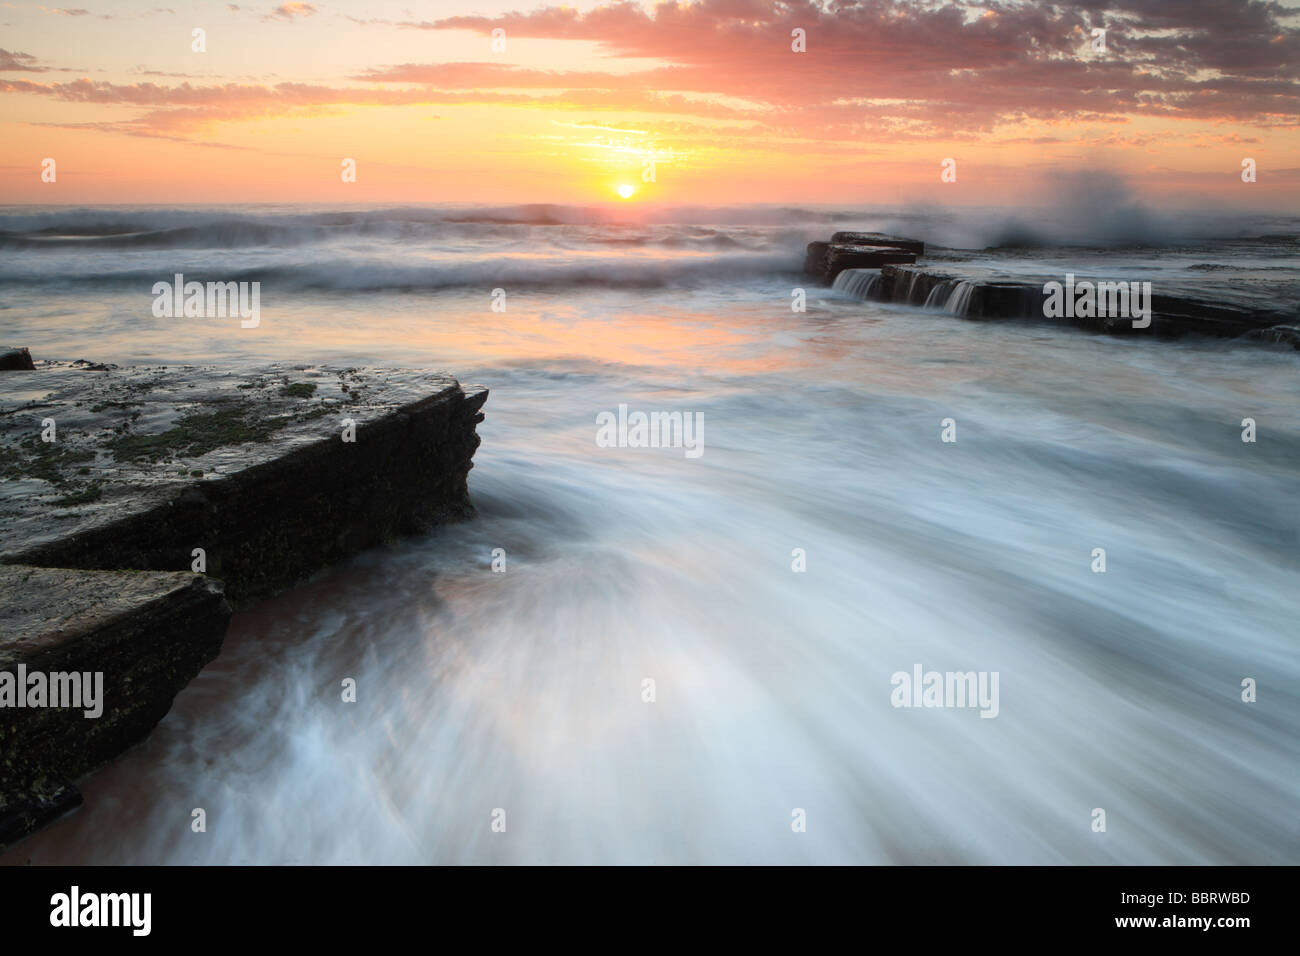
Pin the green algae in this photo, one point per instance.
(197, 434)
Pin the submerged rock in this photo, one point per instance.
(1281, 334)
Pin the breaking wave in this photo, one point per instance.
(377, 274)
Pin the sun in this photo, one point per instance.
(626, 190)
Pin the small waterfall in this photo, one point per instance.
(938, 297)
(958, 301)
(950, 296)
(906, 288)
(858, 283)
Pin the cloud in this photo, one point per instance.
(964, 68)
(189, 105)
(131, 129)
(287, 11)
(883, 70)
(21, 62)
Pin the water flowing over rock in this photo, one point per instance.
(857, 283)
(1281, 334)
(974, 298)
(1171, 315)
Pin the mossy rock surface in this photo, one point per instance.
(148, 463)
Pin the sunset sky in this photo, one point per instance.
(584, 94)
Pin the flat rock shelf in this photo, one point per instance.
(117, 484)
(858, 250)
(880, 268)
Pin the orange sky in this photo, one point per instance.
(582, 97)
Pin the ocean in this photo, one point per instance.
(770, 589)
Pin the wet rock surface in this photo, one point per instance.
(117, 483)
(826, 260)
(879, 239)
(996, 298)
(148, 464)
(883, 268)
(15, 359)
(148, 634)
(969, 294)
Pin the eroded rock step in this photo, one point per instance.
(145, 634)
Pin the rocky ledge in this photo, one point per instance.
(858, 250)
(113, 647)
(1172, 315)
(271, 475)
(881, 268)
(118, 484)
